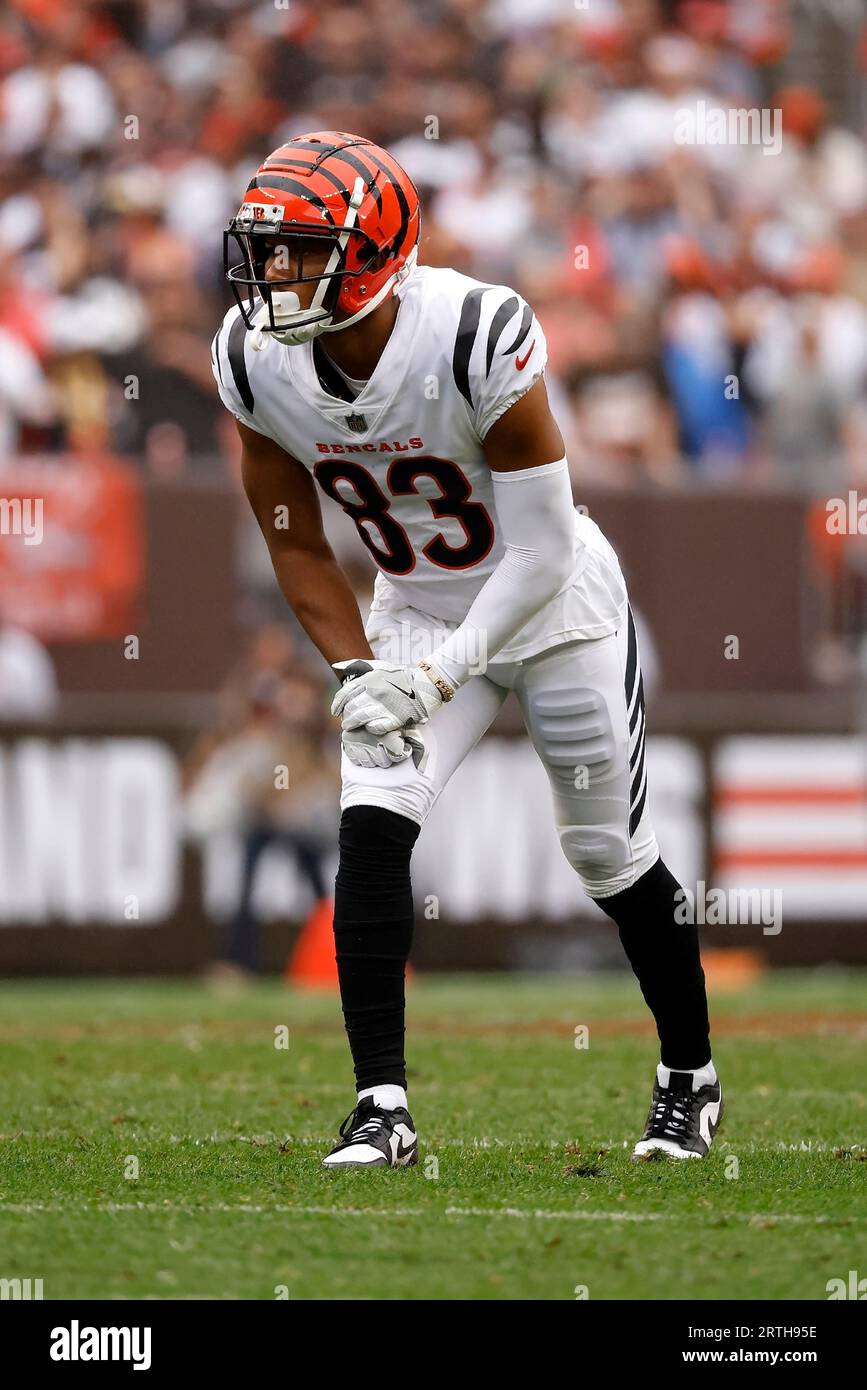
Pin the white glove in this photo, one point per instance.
(375, 750)
(382, 698)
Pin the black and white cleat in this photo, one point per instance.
(371, 1137)
(682, 1121)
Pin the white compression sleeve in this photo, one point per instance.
(536, 520)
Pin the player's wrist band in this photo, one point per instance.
(446, 691)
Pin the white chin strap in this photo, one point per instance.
(294, 325)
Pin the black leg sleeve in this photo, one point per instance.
(665, 957)
(373, 925)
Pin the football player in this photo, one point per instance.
(415, 398)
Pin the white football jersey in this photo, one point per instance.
(404, 457)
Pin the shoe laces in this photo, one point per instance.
(669, 1116)
(365, 1128)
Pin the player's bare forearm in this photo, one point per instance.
(283, 497)
(322, 600)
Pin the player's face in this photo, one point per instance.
(299, 260)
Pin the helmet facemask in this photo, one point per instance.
(272, 305)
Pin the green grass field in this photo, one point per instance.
(524, 1188)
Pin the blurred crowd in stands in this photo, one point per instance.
(705, 304)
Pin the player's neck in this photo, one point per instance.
(357, 349)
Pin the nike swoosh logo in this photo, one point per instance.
(400, 1150)
(521, 362)
(709, 1117)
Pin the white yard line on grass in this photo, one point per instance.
(513, 1213)
(570, 1148)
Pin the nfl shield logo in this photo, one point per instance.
(356, 423)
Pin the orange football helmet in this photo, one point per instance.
(337, 187)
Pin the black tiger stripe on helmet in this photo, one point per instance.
(335, 182)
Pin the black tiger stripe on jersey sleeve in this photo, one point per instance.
(468, 327)
(235, 352)
(524, 329)
(498, 323)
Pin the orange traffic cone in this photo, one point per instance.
(311, 963)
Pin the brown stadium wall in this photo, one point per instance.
(97, 872)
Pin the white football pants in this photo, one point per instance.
(583, 705)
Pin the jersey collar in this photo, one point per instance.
(387, 378)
